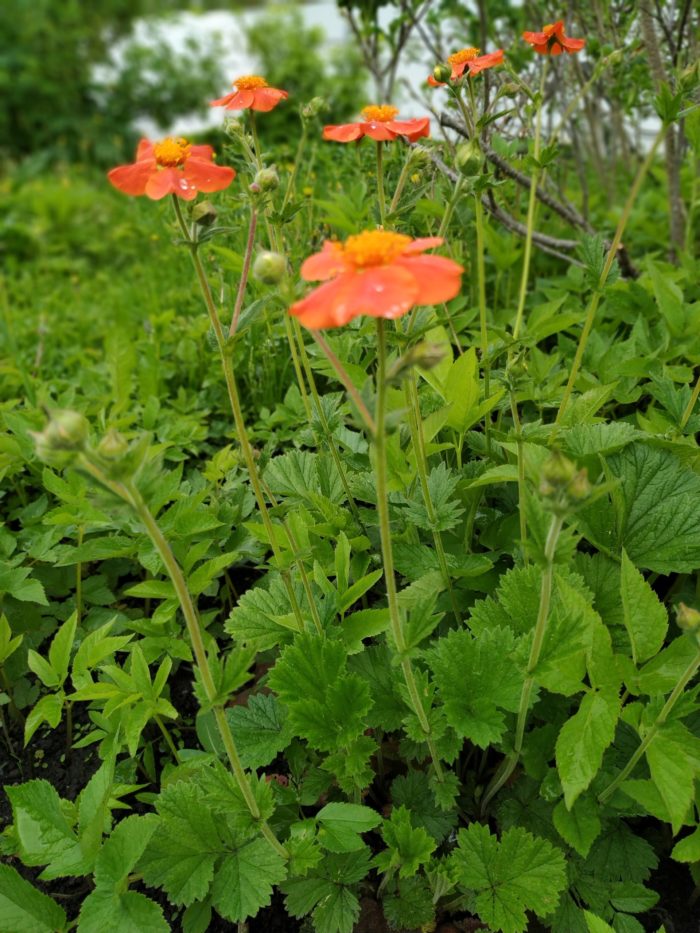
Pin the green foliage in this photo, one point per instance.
(508, 877)
(517, 734)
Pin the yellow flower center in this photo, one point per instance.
(172, 152)
(379, 113)
(249, 83)
(464, 55)
(374, 248)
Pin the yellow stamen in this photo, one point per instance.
(249, 83)
(464, 55)
(379, 113)
(374, 248)
(172, 152)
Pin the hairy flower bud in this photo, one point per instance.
(563, 483)
(469, 158)
(442, 72)
(266, 179)
(269, 268)
(234, 129)
(62, 438)
(313, 108)
(113, 445)
(688, 619)
(204, 214)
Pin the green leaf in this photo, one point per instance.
(130, 912)
(412, 906)
(365, 623)
(462, 389)
(477, 678)
(262, 730)
(48, 709)
(674, 762)
(8, 644)
(688, 849)
(662, 673)
(653, 513)
(181, 854)
(24, 909)
(579, 826)
(595, 924)
(260, 618)
(61, 647)
(342, 823)
(408, 847)
(327, 893)
(44, 834)
(520, 873)
(122, 850)
(245, 879)
(583, 740)
(413, 791)
(645, 617)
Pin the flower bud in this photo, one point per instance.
(426, 355)
(204, 214)
(113, 445)
(48, 454)
(509, 89)
(562, 483)
(688, 619)
(266, 179)
(420, 155)
(313, 108)
(269, 268)
(469, 158)
(66, 430)
(234, 129)
(442, 72)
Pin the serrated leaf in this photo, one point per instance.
(343, 823)
(673, 763)
(645, 617)
(580, 826)
(688, 849)
(61, 647)
(408, 847)
(652, 513)
(130, 912)
(262, 730)
(24, 909)
(48, 710)
(245, 879)
(413, 791)
(44, 834)
(583, 740)
(520, 873)
(476, 679)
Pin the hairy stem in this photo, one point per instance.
(388, 554)
(237, 411)
(129, 493)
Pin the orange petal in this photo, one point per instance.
(344, 133)
(421, 243)
(239, 100)
(267, 98)
(433, 83)
(325, 306)
(144, 150)
(380, 291)
(206, 176)
(132, 179)
(483, 62)
(380, 132)
(324, 265)
(205, 153)
(535, 38)
(437, 279)
(573, 45)
(412, 129)
(165, 181)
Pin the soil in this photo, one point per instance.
(46, 758)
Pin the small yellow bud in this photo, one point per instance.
(442, 72)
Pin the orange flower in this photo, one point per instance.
(379, 124)
(251, 93)
(375, 272)
(552, 41)
(469, 60)
(172, 166)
